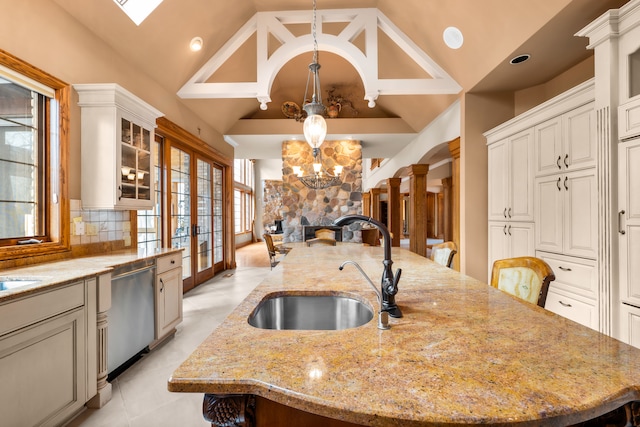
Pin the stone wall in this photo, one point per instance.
(306, 206)
(272, 204)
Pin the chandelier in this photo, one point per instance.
(315, 126)
(320, 178)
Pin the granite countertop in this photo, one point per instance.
(58, 273)
(464, 352)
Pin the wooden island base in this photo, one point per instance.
(255, 411)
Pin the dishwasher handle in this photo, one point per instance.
(132, 272)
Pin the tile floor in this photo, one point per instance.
(140, 396)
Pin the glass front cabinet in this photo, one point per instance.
(117, 151)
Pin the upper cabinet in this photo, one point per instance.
(117, 151)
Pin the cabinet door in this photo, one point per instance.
(43, 371)
(168, 301)
(498, 248)
(548, 147)
(580, 214)
(498, 163)
(520, 179)
(520, 239)
(629, 220)
(549, 213)
(579, 138)
(630, 325)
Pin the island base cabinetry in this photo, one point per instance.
(43, 358)
(253, 411)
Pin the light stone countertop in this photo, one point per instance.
(58, 273)
(464, 352)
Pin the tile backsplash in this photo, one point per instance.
(99, 226)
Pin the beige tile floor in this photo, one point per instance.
(140, 396)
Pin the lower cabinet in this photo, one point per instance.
(43, 362)
(630, 324)
(168, 295)
(574, 292)
(510, 239)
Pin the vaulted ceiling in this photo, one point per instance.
(494, 32)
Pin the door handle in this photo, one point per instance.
(195, 230)
(620, 218)
(564, 268)
(565, 183)
(566, 164)
(504, 229)
(558, 162)
(509, 230)
(558, 184)
(505, 213)
(161, 286)
(565, 304)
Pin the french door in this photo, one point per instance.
(196, 214)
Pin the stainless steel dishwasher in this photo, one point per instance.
(131, 317)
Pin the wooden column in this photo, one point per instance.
(447, 185)
(394, 217)
(366, 204)
(375, 203)
(454, 149)
(418, 215)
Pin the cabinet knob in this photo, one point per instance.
(173, 261)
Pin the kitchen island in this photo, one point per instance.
(463, 353)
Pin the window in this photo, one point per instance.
(33, 134)
(243, 195)
(150, 221)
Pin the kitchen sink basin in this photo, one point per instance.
(310, 312)
(7, 283)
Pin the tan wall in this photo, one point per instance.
(480, 113)
(41, 33)
(528, 98)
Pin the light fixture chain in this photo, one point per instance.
(313, 32)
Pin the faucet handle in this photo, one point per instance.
(391, 287)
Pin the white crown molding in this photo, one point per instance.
(360, 21)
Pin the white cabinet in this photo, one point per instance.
(168, 294)
(574, 292)
(510, 163)
(43, 357)
(510, 239)
(566, 143)
(567, 213)
(629, 220)
(117, 148)
(630, 325)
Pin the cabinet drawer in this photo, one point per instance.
(574, 274)
(26, 311)
(168, 262)
(571, 308)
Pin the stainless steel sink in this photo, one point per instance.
(7, 283)
(310, 312)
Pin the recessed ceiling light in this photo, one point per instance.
(196, 44)
(519, 59)
(453, 37)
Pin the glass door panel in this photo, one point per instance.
(205, 214)
(181, 207)
(218, 242)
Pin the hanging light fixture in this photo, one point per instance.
(315, 126)
(320, 178)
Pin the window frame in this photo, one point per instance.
(57, 228)
(243, 168)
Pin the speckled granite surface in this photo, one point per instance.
(62, 272)
(464, 352)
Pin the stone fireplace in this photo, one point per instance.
(302, 206)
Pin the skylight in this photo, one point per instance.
(138, 10)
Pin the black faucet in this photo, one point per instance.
(389, 282)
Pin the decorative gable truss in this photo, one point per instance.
(359, 22)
